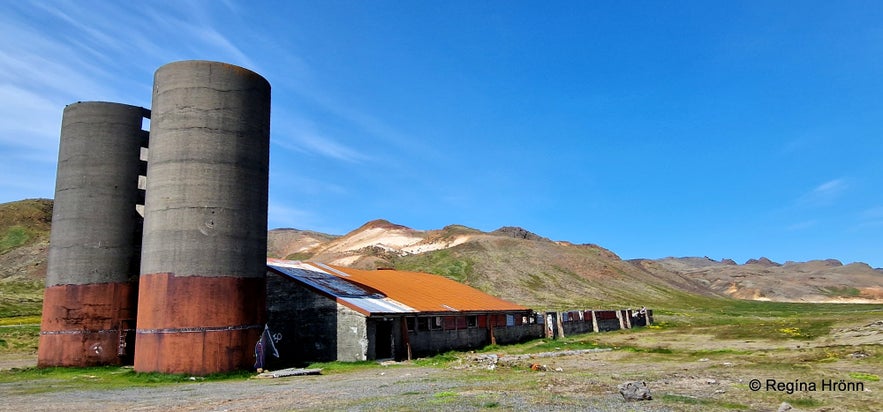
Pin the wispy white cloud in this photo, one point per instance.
(282, 216)
(300, 134)
(56, 53)
(870, 218)
(825, 193)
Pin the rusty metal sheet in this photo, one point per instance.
(82, 325)
(198, 325)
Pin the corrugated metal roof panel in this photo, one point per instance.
(425, 292)
(351, 294)
(320, 279)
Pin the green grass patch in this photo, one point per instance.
(299, 256)
(690, 400)
(445, 397)
(870, 377)
(20, 321)
(805, 402)
(575, 342)
(440, 360)
(665, 351)
(14, 237)
(775, 329)
(343, 367)
(43, 380)
(845, 292)
(19, 339)
(441, 262)
(706, 353)
(21, 298)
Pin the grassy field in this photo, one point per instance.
(692, 359)
(701, 354)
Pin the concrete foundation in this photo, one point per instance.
(205, 222)
(89, 303)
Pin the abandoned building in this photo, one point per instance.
(320, 312)
(157, 254)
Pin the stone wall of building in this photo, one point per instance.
(304, 322)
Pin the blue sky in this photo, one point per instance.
(708, 128)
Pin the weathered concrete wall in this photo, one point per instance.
(520, 333)
(205, 218)
(352, 335)
(578, 327)
(428, 343)
(94, 222)
(91, 281)
(608, 320)
(208, 172)
(305, 321)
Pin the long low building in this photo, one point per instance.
(319, 312)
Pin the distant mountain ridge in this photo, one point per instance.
(531, 262)
(510, 262)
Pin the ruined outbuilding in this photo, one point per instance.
(319, 312)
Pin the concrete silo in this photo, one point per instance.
(202, 286)
(91, 281)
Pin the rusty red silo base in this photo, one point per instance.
(87, 325)
(198, 325)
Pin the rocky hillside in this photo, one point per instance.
(762, 279)
(510, 262)
(518, 265)
(24, 239)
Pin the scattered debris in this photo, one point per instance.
(784, 407)
(635, 391)
(288, 372)
(491, 361)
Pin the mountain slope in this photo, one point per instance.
(521, 266)
(510, 262)
(762, 279)
(24, 239)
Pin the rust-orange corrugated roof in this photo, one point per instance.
(424, 292)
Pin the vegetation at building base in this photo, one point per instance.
(58, 379)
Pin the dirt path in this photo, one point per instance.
(684, 373)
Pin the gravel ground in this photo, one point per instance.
(562, 381)
(400, 387)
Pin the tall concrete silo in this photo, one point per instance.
(202, 287)
(92, 276)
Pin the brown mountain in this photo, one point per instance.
(24, 239)
(516, 264)
(510, 262)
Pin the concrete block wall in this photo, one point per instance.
(352, 335)
(427, 343)
(516, 334)
(305, 322)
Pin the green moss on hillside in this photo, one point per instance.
(441, 262)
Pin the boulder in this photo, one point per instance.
(635, 391)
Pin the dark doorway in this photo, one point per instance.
(383, 340)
